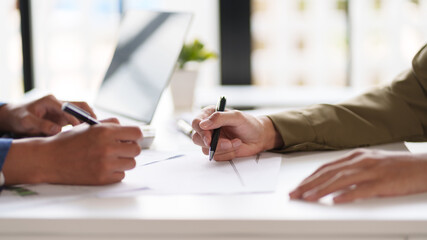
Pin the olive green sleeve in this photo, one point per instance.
(397, 112)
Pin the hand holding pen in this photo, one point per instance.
(241, 134)
(83, 155)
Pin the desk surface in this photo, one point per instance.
(266, 215)
(254, 216)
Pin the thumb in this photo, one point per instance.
(220, 119)
(44, 126)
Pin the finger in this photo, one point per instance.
(60, 117)
(127, 133)
(126, 149)
(49, 100)
(117, 132)
(220, 119)
(325, 175)
(362, 191)
(85, 107)
(340, 182)
(111, 120)
(225, 156)
(345, 158)
(198, 140)
(227, 150)
(39, 125)
(205, 136)
(54, 113)
(123, 164)
(71, 120)
(226, 145)
(205, 151)
(354, 159)
(67, 118)
(115, 177)
(205, 113)
(224, 150)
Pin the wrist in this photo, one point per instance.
(24, 162)
(272, 137)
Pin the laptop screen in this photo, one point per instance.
(143, 62)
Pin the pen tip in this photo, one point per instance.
(211, 155)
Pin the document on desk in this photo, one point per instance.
(29, 195)
(193, 173)
(160, 173)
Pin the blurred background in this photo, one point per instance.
(266, 44)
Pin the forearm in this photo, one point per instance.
(23, 163)
(393, 113)
(17, 157)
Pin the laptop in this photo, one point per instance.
(145, 57)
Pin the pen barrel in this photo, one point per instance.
(215, 135)
(79, 113)
(91, 121)
(215, 138)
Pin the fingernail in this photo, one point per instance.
(205, 123)
(226, 145)
(206, 141)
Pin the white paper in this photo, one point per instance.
(52, 194)
(165, 173)
(193, 173)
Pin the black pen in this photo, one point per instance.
(79, 113)
(220, 107)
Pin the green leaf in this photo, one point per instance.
(194, 52)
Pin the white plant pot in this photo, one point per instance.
(183, 84)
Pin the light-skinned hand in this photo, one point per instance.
(241, 134)
(366, 174)
(85, 155)
(42, 117)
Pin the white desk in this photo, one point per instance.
(251, 216)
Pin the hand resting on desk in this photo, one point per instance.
(366, 174)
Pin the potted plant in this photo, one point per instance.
(183, 81)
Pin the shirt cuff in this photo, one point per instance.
(297, 132)
(4, 149)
